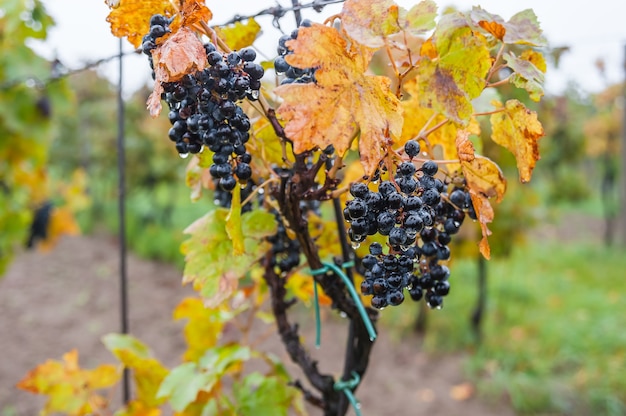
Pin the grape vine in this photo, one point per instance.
(326, 132)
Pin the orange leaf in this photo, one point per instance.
(370, 21)
(62, 222)
(131, 18)
(496, 29)
(194, 11)
(518, 130)
(344, 101)
(481, 173)
(484, 213)
(72, 390)
(180, 54)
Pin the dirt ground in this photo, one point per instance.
(69, 298)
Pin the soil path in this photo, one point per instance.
(68, 298)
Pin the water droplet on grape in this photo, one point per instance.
(343, 314)
(356, 245)
(261, 191)
(457, 224)
(255, 94)
(183, 155)
(217, 202)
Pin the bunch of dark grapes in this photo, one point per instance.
(292, 74)
(204, 110)
(159, 26)
(418, 217)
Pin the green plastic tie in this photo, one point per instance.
(355, 297)
(347, 386)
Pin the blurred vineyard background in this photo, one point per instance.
(552, 339)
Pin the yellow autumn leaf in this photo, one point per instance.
(203, 327)
(239, 35)
(344, 101)
(62, 222)
(517, 129)
(71, 390)
(131, 18)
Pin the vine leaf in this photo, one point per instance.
(239, 35)
(192, 12)
(453, 72)
(131, 18)
(523, 29)
(203, 327)
(369, 22)
(517, 129)
(209, 245)
(528, 70)
(262, 394)
(490, 23)
(184, 383)
(148, 372)
(180, 54)
(344, 100)
(484, 180)
(71, 390)
(233, 223)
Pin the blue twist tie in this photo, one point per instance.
(347, 387)
(355, 296)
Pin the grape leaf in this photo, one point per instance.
(233, 223)
(194, 11)
(490, 23)
(523, 29)
(369, 22)
(239, 35)
(148, 372)
(518, 130)
(262, 395)
(525, 74)
(481, 173)
(484, 180)
(131, 18)
(359, 102)
(180, 54)
(447, 82)
(72, 390)
(209, 245)
(185, 382)
(203, 327)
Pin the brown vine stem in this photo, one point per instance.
(257, 190)
(495, 67)
(498, 83)
(488, 113)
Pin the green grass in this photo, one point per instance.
(554, 338)
(155, 219)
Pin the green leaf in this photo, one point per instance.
(523, 29)
(526, 75)
(240, 35)
(183, 383)
(421, 17)
(260, 395)
(209, 245)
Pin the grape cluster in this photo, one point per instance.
(285, 251)
(418, 217)
(292, 74)
(204, 110)
(159, 26)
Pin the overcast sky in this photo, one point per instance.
(592, 29)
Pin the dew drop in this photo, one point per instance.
(183, 155)
(255, 94)
(457, 224)
(343, 314)
(261, 191)
(358, 405)
(217, 202)
(356, 245)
